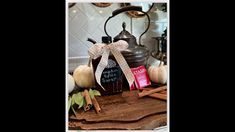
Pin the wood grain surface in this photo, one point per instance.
(122, 111)
(147, 123)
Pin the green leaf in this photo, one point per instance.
(73, 111)
(82, 103)
(96, 93)
(78, 99)
(69, 103)
(72, 100)
(91, 93)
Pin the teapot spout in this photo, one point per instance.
(91, 40)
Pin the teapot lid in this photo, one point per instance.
(134, 49)
(124, 34)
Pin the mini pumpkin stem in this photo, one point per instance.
(161, 61)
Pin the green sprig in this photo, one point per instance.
(78, 99)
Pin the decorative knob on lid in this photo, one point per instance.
(124, 34)
(124, 26)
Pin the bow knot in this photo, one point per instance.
(103, 50)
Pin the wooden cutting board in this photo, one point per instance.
(120, 111)
(147, 123)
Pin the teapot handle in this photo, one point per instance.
(128, 8)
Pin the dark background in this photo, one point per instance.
(200, 62)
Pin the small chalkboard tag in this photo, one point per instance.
(111, 73)
(141, 78)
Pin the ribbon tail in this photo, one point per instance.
(124, 66)
(101, 66)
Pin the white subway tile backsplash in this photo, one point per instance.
(73, 11)
(89, 10)
(92, 24)
(76, 23)
(127, 19)
(81, 34)
(112, 31)
(77, 45)
(104, 12)
(88, 44)
(97, 34)
(118, 20)
(138, 27)
(114, 25)
(115, 6)
(72, 52)
(88, 21)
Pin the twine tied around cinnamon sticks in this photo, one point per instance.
(103, 50)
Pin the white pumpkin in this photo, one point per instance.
(71, 83)
(84, 76)
(158, 74)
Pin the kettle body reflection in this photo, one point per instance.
(135, 55)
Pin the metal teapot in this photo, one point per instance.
(136, 54)
(161, 53)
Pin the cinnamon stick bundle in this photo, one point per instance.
(163, 92)
(158, 96)
(151, 88)
(145, 93)
(96, 105)
(86, 107)
(88, 103)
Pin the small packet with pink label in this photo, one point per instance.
(141, 78)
